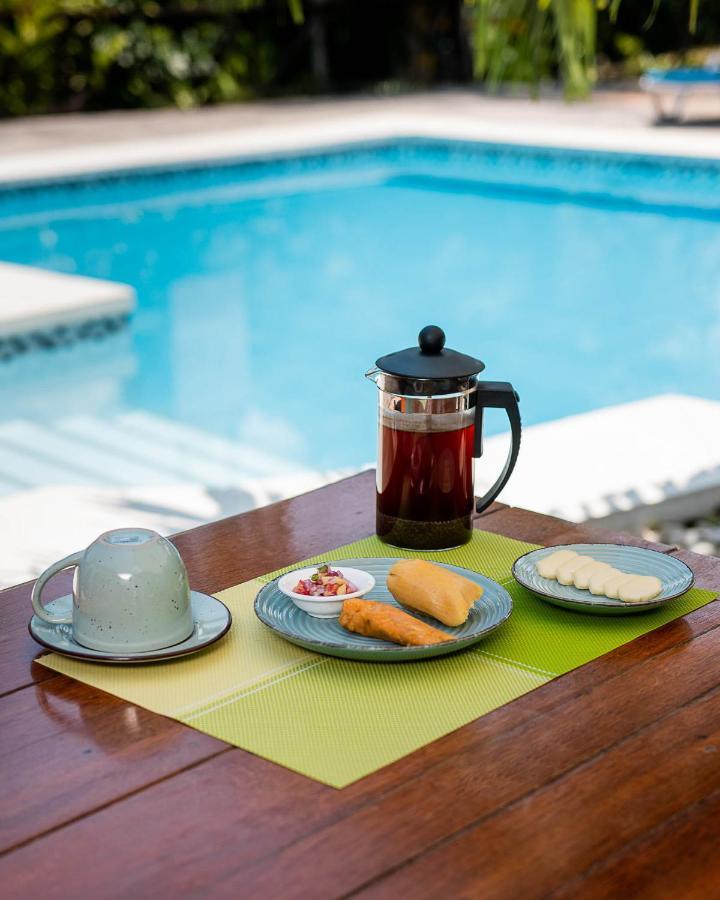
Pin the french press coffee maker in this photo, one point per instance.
(430, 421)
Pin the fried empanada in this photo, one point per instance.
(382, 620)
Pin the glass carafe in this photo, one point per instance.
(430, 405)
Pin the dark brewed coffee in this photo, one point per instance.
(425, 486)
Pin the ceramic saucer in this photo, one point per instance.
(212, 620)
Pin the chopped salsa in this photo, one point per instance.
(326, 582)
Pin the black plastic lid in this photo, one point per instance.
(430, 359)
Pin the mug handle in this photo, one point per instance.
(498, 395)
(40, 611)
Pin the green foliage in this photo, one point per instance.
(575, 24)
(513, 40)
(100, 54)
(77, 54)
(529, 41)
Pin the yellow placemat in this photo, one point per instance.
(336, 720)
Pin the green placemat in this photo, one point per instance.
(336, 720)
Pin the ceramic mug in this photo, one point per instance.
(130, 593)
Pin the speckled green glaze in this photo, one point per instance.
(130, 593)
(211, 620)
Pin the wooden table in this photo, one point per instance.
(605, 782)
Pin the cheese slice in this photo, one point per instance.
(613, 584)
(582, 576)
(567, 570)
(548, 565)
(599, 579)
(639, 589)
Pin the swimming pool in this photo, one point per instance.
(267, 288)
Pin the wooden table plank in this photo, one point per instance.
(537, 528)
(67, 749)
(17, 648)
(678, 859)
(375, 824)
(236, 821)
(532, 846)
(236, 549)
(706, 568)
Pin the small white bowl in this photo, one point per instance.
(325, 607)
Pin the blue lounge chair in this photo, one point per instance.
(678, 83)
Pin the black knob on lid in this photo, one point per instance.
(429, 367)
(431, 340)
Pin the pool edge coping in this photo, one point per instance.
(239, 145)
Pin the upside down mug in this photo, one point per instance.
(130, 593)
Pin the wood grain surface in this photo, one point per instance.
(602, 783)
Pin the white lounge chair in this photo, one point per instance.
(677, 84)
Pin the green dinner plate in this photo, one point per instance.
(327, 636)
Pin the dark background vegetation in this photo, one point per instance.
(64, 55)
(644, 30)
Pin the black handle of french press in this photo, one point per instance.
(497, 395)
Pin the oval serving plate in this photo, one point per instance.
(676, 577)
(327, 636)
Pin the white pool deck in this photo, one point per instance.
(623, 466)
(64, 482)
(61, 146)
(35, 300)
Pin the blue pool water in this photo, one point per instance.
(267, 289)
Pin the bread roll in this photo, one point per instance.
(433, 590)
